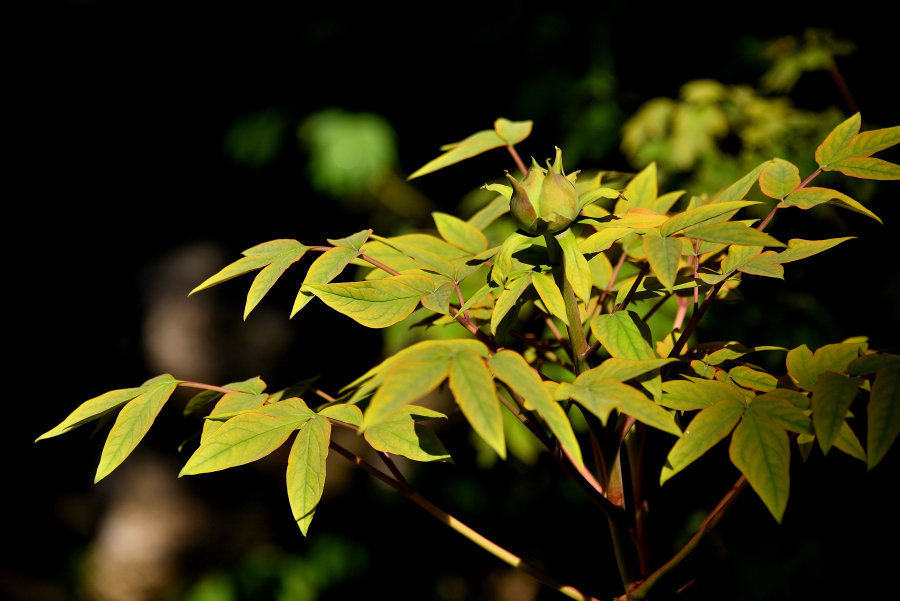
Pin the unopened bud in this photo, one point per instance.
(545, 202)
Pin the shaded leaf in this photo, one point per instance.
(752, 378)
(708, 427)
(508, 299)
(782, 411)
(831, 399)
(624, 335)
(801, 365)
(761, 450)
(883, 414)
(697, 393)
(577, 270)
(871, 363)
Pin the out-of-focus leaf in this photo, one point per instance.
(883, 414)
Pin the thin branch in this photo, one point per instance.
(378, 264)
(461, 528)
(209, 387)
(515, 155)
(637, 281)
(641, 590)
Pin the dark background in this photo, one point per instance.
(118, 118)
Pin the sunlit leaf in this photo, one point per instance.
(641, 191)
(578, 272)
(831, 399)
(867, 168)
(752, 378)
(732, 233)
(248, 394)
(623, 334)
(779, 178)
(837, 140)
(622, 369)
(350, 414)
(375, 303)
(133, 421)
(472, 386)
(515, 372)
(549, 292)
(664, 255)
(306, 470)
(92, 409)
(460, 233)
(698, 215)
(708, 427)
(400, 434)
(809, 197)
(248, 437)
(404, 383)
(866, 143)
(883, 414)
(512, 132)
(761, 450)
(325, 268)
(738, 190)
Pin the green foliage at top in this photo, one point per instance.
(551, 328)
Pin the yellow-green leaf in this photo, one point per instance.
(402, 435)
(249, 395)
(623, 334)
(342, 412)
(460, 233)
(837, 140)
(731, 232)
(800, 249)
(641, 191)
(698, 215)
(867, 168)
(133, 421)
(739, 189)
(707, 428)
(474, 145)
(507, 299)
(404, 383)
(549, 292)
(248, 437)
(752, 378)
(325, 268)
(664, 255)
(375, 303)
(267, 277)
(306, 470)
(512, 132)
(512, 369)
(761, 450)
(883, 414)
(867, 143)
(779, 178)
(578, 272)
(473, 388)
(92, 409)
(697, 393)
(622, 369)
(831, 399)
(801, 366)
(809, 197)
(783, 410)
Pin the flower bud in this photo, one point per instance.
(545, 202)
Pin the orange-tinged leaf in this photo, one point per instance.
(835, 142)
(867, 168)
(779, 178)
(811, 196)
(868, 143)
